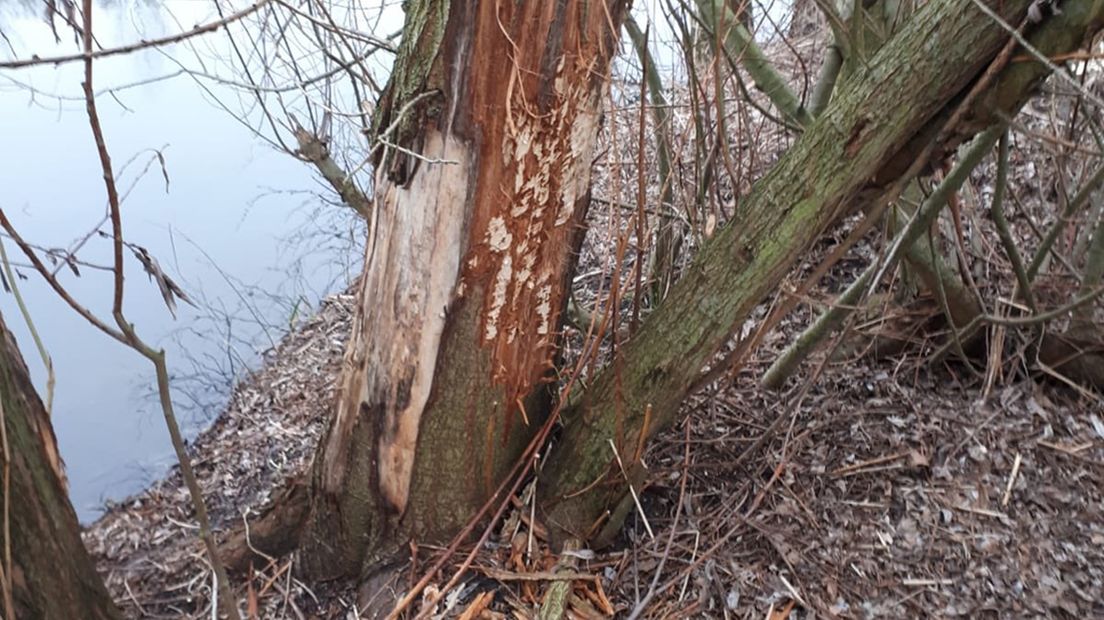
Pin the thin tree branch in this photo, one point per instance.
(47, 361)
(52, 280)
(739, 43)
(89, 54)
(826, 82)
(130, 337)
(997, 211)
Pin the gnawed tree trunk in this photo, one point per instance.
(856, 152)
(51, 574)
(486, 138)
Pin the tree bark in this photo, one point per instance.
(485, 140)
(51, 574)
(855, 152)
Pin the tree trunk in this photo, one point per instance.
(50, 573)
(485, 139)
(854, 153)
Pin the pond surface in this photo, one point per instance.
(238, 224)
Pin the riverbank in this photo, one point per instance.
(146, 546)
(892, 491)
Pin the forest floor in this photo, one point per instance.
(896, 487)
(892, 490)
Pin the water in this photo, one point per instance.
(240, 226)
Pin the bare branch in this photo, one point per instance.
(89, 54)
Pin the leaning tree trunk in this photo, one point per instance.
(50, 573)
(485, 139)
(858, 151)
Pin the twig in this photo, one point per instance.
(1094, 269)
(1011, 480)
(923, 583)
(981, 511)
(793, 591)
(668, 238)
(997, 211)
(1075, 450)
(1072, 207)
(380, 138)
(1035, 319)
(945, 307)
(505, 575)
(418, 156)
(855, 467)
(685, 572)
(960, 248)
(47, 361)
(1089, 395)
(651, 593)
(632, 491)
(693, 557)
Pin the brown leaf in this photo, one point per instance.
(170, 291)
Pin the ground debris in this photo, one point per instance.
(147, 547)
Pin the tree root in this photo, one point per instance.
(1077, 356)
(274, 534)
